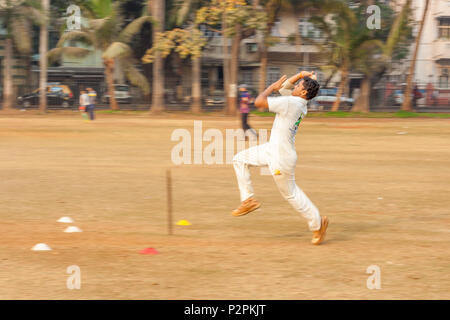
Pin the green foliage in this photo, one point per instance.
(181, 11)
(350, 43)
(102, 8)
(235, 12)
(186, 42)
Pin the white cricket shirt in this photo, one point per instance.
(289, 110)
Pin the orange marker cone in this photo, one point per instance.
(149, 251)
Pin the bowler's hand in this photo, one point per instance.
(276, 86)
(312, 75)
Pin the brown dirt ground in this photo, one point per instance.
(109, 176)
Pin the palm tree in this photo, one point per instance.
(121, 51)
(353, 47)
(16, 18)
(103, 31)
(346, 40)
(373, 66)
(409, 83)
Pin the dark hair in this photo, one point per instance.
(312, 86)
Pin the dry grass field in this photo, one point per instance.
(387, 196)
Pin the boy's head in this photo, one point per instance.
(307, 88)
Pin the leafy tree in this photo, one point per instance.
(351, 46)
(235, 20)
(186, 42)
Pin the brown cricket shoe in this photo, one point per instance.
(319, 235)
(246, 207)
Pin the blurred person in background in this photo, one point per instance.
(244, 101)
(92, 96)
(84, 101)
(416, 96)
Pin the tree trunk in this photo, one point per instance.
(43, 48)
(109, 76)
(119, 73)
(226, 62)
(271, 9)
(234, 72)
(342, 86)
(263, 55)
(196, 105)
(409, 83)
(158, 13)
(363, 101)
(179, 72)
(8, 79)
(263, 68)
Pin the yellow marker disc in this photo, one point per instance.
(183, 223)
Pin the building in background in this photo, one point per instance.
(292, 52)
(432, 68)
(433, 60)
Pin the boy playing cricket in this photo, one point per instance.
(279, 153)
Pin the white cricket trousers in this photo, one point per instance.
(258, 157)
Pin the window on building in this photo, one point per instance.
(252, 47)
(273, 74)
(303, 27)
(444, 28)
(208, 33)
(53, 38)
(276, 27)
(307, 29)
(443, 79)
(247, 77)
(205, 78)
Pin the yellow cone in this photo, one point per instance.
(183, 223)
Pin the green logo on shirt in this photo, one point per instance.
(298, 122)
